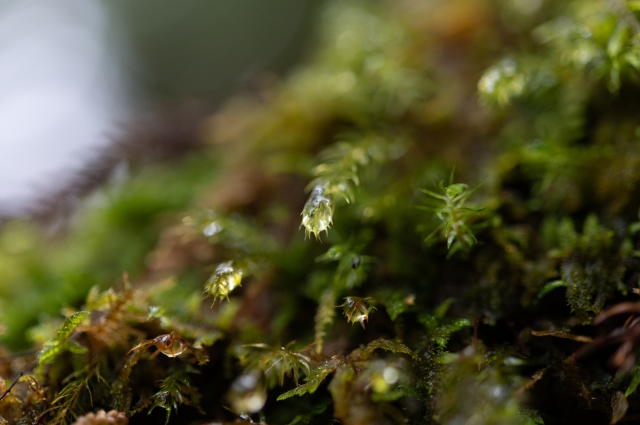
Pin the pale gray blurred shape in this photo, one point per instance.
(60, 92)
(70, 71)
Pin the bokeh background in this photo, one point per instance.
(74, 73)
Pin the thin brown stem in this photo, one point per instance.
(20, 375)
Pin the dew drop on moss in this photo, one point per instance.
(170, 346)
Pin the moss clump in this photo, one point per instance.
(496, 303)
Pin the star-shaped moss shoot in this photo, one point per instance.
(357, 309)
(457, 220)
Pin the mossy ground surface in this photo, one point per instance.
(433, 220)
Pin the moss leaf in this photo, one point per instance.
(61, 342)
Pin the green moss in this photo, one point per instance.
(474, 309)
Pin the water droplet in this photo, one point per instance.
(248, 393)
(487, 83)
(390, 375)
(496, 392)
(383, 376)
(170, 345)
(212, 229)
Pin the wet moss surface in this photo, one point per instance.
(433, 220)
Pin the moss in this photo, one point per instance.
(486, 303)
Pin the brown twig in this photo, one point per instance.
(627, 336)
(20, 375)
